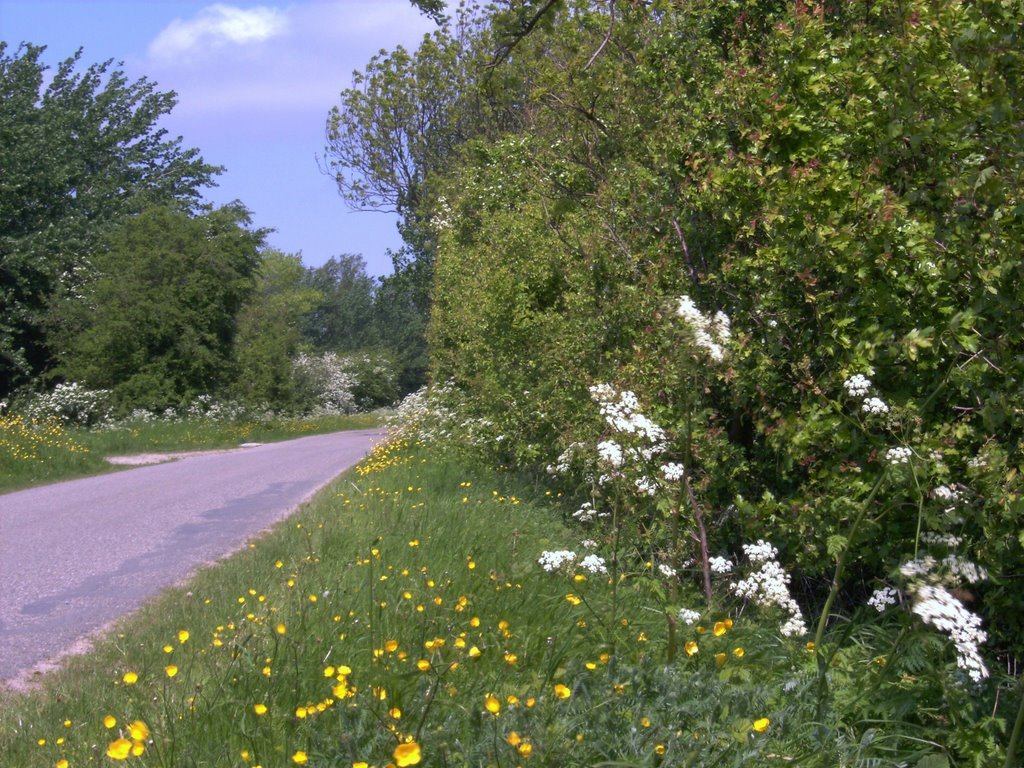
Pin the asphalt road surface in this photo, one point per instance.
(76, 555)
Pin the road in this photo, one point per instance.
(76, 555)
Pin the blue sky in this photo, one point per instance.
(255, 81)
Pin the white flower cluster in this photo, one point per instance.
(883, 598)
(589, 544)
(760, 552)
(556, 560)
(941, 539)
(688, 617)
(720, 564)
(874, 405)
(857, 385)
(672, 472)
(610, 453)
(645, 486)
(70, 404)
(919, 567)
(948, 493)
(621, 410)
(899, 455)
(587, 514)
(565, 459)
(937, 606)
(710, 334)
(970, 572)
(666, 570)
(769, 586)
(326, 380)
(593, 564)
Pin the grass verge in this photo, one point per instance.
(36, 454)
(401, 618)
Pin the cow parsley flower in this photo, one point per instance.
(709, 334)
(688, 617)
(611, 453)
(666, 570)
(857, 385)
(769, 586)
(883, 598)
(937, 606)
(720, 565)
(646, 487)
(593, 564)
(920, 567)
(874, 405)
(760, 552)
(555, 560)
(899, 455)
(672, 472)
(970, 572)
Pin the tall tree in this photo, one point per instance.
(340, 322)
(270, 328)
(158, 325)
(76, 156)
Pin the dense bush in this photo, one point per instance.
(845, 186)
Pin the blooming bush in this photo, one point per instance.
(70, 404)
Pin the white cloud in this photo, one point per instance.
(216, 26)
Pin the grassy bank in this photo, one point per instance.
(34, 454)
(402, 613)
(402, 618)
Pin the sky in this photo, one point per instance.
(255, 82)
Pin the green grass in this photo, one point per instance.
(405, 606)
(36, 454)
(410, 562)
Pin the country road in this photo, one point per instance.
(76, 555)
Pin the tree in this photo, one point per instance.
(158, 325)
(77, 157)
(341, 319)
(270, 328)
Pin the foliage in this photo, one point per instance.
(157, 326)
(341, 320)
(845, 185)
(270, 329)
(80, 151)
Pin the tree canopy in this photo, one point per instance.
(77, 154)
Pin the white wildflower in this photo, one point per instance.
(874, 405)
(970, 572)
(941, 539)
(710, 334)
(666, 570)
(555, 560)
(611, 453)
(899, 455)
(857, 385)
(688, 617)
(720, 565)
(672, 472)
(769, 586)
(646, 487)
(883, 598)
(936, 606)
(919, 567)
(593, 564)
(760, 552)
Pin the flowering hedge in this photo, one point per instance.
(793, 236)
